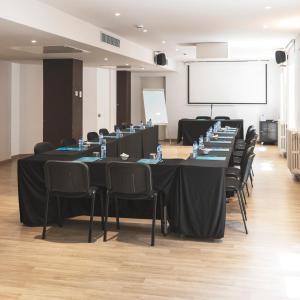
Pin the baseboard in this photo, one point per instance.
(19, 156)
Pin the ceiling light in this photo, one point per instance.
(145, 30)
(117, 14)
(33, 41)
(176, 49)
(126, 64)
(105, 58)
(268, 7)
(266, 26)
(163, 41)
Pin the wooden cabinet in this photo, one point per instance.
(268, 131)
(62, 108)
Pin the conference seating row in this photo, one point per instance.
(237, 177)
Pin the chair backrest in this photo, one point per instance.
(67, 177)
(42, 147)
(67, 142)
(129, 178)
(247, 170)
(203, 118)
(222, 118)
(249, 128)
(250, 133)
(92, 136)
(104, 131)
(247, 153)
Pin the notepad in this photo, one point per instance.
(148, 161)
(88, 159)
(69, 149)
(211, 158)
(219, 149)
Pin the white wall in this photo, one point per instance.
(5, 109)
(177, 107)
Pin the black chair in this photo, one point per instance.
(129, 181)
(104, 131)
(69, 179)
(203, 118)
(67, 142)
(43, 147)
(237, 185)
(222, 118)
(92, 136)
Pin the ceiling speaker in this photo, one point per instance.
(160, 59)
(280, 56)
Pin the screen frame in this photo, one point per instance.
(226, 103)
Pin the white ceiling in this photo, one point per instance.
(246, 24)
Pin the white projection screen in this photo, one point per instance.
(228, 82)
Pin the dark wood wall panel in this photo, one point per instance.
(123, 97)
(62, 108)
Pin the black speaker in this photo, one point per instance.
(280, 56)
(160, 59)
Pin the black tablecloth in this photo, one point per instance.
(193, 190)
(189, 130)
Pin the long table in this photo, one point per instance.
(189, 130)
(193, 190)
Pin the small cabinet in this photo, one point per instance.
(268, 132)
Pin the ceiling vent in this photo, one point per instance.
(61, 50)
(212, 50)
(108, 39)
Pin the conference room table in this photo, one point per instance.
(193, 189)
(189, 130)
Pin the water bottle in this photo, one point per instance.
(80, 143)
(159, 152)
(195, 149)
(131, 128)
(207, 138)
(141, 125)
(118, 132)
(103, 149)
(100, 138)
(150, 123)
(201, 144)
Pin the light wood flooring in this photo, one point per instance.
(265, 264)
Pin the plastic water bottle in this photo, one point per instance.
(159, 152)
(80, 143)
(207, 138)
(100, 138)
(131, 128)
(150, 123)
(103, 149)
(118, 132)
(201, 144)
(142, 125)
(195, 149)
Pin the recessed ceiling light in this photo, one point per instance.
(145, 30)
(163, 41)
(176, 49)
(105, 58)
(126, 64)
(266, 26)
(33, 41)
(268, 7)
(117, 14)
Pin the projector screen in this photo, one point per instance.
(228, 82)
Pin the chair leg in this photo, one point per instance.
(153, 220)
(252, 172)
(59, 221)
(245, 199)
(243, 205)
(117, 212)
(106, 217)
(102, 197)
(241, 208)
(247, 189)
(251, 179)
(45, 216)
(91, 217)
(162, 215)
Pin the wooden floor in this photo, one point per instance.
(262, 265)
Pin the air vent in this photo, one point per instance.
(105, 38)
(61, 49)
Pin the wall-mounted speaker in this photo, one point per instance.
(160, 59)
(280, 56)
